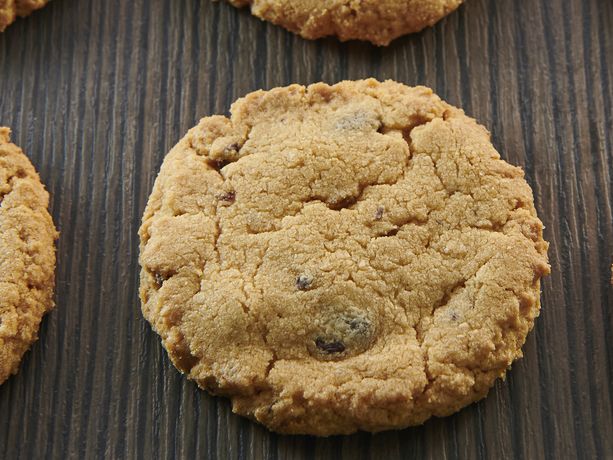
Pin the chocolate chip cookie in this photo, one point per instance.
(27, 255)
(10, 9)
(341, 258)
(377, 21)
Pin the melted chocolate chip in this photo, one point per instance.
(159, 279)
(219, 164)
(304, 282)
(358, 325)
(230, 149)
(341, 334)
(333, 346)
(228, 197)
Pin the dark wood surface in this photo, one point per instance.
(97, 91)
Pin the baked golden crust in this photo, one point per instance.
(27, 255)
(10, 9)
(377, 21)
(346, 257)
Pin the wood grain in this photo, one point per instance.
(97, 91)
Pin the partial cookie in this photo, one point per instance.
(377, 21)
(10, 9)
(27, 255)
(341, 258)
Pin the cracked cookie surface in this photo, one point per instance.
(341, 258)
(10, 9)
(377, 21)
(27, 255)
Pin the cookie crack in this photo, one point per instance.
(344, 203)
(218, 232)
(231, 153)
(20, 174)
(274, 358)
(399, 226)
(447, 296)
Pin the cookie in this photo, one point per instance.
(10, 9)
(27, 255)
(341, 258)
(377, 21)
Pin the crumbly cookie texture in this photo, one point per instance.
(27, 255)
(341, 258)
(10, 9)
(377, 21)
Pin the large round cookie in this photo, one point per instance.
(27, 255)
(377, 21)
(10, 9)
(344, 257)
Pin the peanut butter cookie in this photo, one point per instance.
(377, 21)
(341, 258)
(27, 255)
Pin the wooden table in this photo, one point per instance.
(97, 91)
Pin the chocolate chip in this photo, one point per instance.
(219, 164)
(159, 279)
(358, 325)
(334, 346)
(379, 213)
(228, 197)
(304, 282)
(340, 335)
(231, 149)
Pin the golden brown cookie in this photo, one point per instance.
(10, 9)
(341, 258)
(27, 255)
(377, 21)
